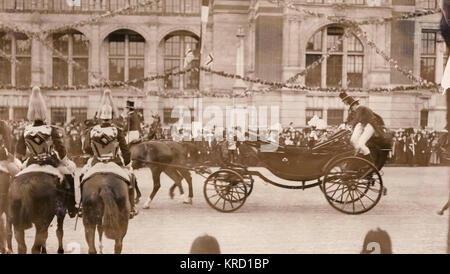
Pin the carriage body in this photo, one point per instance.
(331, 165)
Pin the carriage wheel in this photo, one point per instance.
(352, 185)
(225, 190)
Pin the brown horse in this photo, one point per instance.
(163, 156)
(106, 207)
(36, 198)
(5, 224)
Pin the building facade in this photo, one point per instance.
(255, 38)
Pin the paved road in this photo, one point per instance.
(275, 220)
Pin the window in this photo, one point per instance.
(75, 47)
(20, 113)
(427, 4)
(168, 119)
(59, 116)
(335, 117)
(126, 56)
(175, 47)
(79, 114)
(311, 112)
(16, 70)
(424, 118)
(182, 6)
(428, 55)
(4, 113)
(320, 44)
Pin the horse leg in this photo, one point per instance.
(60, 232)
(187, 176)
(19, 234)
(118, 246)
(138, 192)
(100, 237)
(9, 233)
(40, 239)
(89, 232)
(3, 244)
(177, 178)
(156, 173)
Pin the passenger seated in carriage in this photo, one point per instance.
(45, 143)
(365, 124)
(105, 140)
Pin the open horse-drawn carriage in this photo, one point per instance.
(350, 184)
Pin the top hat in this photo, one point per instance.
(130, 104)
(347, 99)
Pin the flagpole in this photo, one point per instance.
(203, 25)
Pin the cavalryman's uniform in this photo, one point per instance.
(105, 140)
(133, 124)
(46, 146)
(6, 158)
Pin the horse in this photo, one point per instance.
(5, 224)
(165, 156)
(36, 198)
(106, 207)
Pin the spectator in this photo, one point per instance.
(205, 245)
(377, 242)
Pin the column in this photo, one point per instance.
(95, 55)
(151, 58)
(68, 114)
(35, 62)
(11, 113)
(239, 84)
(439, 66)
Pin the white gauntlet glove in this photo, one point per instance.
(69, 164)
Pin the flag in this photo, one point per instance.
(205, 11)
(189, 56)
(209, 60)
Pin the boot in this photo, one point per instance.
(133, 211)
(70, 196)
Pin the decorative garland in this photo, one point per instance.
(294, 78)
(95, 19)
(374, 21)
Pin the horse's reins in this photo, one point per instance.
(195, 169)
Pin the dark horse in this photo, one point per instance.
(163, 156)
(35, 198)
(5, 224)
(106, 207)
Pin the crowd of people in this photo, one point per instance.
(413, 147)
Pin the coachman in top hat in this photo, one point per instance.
(133, 123)
(365, 124)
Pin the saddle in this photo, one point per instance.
(107, 168)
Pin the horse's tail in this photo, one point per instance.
(111, 214)
(21, 204)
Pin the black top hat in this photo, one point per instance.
(347, 99)
(130, 104)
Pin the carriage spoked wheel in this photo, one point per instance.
(225, 190)
(352, 185)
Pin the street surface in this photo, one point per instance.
(275, 220)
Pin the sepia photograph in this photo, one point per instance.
(245, 127)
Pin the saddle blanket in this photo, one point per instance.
(11, 168)
(109, 167)
(44, 168)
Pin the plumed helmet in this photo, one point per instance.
(347, 99)
(37, 110)
(106, 112)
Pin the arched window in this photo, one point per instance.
(74, 46)
(15, 70)
(345, 64)
(126, 56)
(175, 46)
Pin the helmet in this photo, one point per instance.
(106, 112)
(37, 109)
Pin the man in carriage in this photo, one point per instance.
(365, 124)
(105, 140)
(46, 147)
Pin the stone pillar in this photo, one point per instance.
(95, 55)
(439, 68)
(36, 69)
(151, 59)
(68, 114)
(11, 113)
(239, 84)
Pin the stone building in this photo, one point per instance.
(254, 38)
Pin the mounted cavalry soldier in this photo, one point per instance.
(46, 147)
(8, 163)
(133, 123)
(365, 124)
(105, 140)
